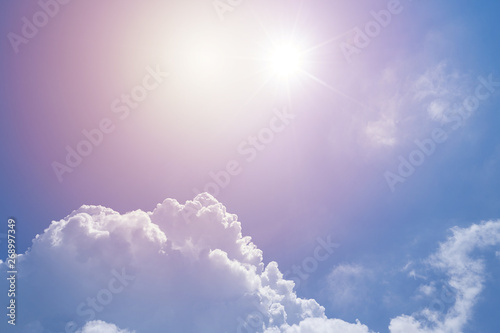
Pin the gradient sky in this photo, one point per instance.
(324, 174)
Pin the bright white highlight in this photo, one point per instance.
(285, 60)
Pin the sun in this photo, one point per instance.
(285, 60)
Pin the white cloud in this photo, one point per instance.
(406, 99)
(187, 268)
(437, 109)
(408, 105)
(441, 82)
(181, 268)
(98, 326)
(348, 285)
(382, 131)
(414, 275)
(442, 91)
(427, 289)
(465, 276)
(322, 325)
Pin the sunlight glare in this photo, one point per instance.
(285, 60)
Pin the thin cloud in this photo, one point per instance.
(466, 276)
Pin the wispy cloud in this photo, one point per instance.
(465, 273)
(348, 285)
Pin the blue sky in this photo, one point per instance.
(334, 119)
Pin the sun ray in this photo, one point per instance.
(266, 32)
(335, 90)
(256, 92)
(294, 29)
(328, 41)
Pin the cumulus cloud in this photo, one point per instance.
(180, 268)
(466, 275)
(188, 268)
(321, 325)
(98, 326)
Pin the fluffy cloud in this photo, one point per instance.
(187, 268)
(465, 275)
(98, 326)
(321, 325)
(180, 268)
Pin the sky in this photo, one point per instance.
(250, 166)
